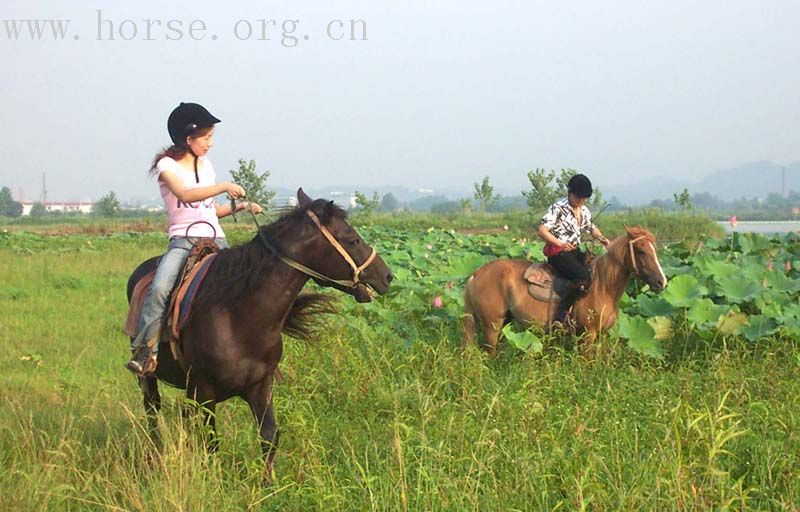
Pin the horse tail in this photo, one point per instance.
(468, 319)
(303, 320)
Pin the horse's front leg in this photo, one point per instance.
(202, 399)
(152, 405)
(260, 399)
(593, 320)
(588, 348)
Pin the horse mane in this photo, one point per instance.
(239, 271)
(612, 263)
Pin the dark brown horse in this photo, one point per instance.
(251, 294)
(498, 290)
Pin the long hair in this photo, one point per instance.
(175, 151)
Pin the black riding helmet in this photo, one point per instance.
(186, 119)
(580, 186)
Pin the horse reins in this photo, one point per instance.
(357, 269)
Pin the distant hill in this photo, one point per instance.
(754, 179)
(748, 180)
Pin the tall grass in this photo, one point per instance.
(373, 424)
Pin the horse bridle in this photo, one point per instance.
(357, 269)
(633, 258)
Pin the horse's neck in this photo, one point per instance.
(277, 292)
(610, 276)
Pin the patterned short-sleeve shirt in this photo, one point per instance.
(562, 223)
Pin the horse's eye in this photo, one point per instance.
(355, 241)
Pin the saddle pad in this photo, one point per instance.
(137, 301)
(187, 292)
(543, 283)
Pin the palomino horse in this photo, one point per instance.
(232, 340)
(498, 290)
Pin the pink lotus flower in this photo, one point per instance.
(429, 247)
(788, 266)
(437, 302)
(734, 221)
(769, 266)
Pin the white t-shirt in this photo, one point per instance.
(182, 215)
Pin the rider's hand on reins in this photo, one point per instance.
(255, 208)
(233, 208)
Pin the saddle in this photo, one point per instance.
(177, 313)
(545, 284)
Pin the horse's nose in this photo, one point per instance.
(389, 277)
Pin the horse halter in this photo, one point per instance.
(357, 270)
(633, 258)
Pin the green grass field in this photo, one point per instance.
(375, 422)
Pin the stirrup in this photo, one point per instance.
(147, 367)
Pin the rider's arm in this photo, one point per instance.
(187, 195)
(548, 237)
(223, 210)
(597, 235)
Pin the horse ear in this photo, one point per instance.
(328, 212)
(629, 230)
(302, 198)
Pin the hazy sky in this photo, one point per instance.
(440, 93)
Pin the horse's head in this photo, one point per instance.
(334, 249)
(641, 258)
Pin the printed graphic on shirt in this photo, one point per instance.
(208, 203)
(562, 223)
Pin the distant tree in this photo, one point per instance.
(774, 200)
(9, 207)
(683, 200)
(595, 202)
(466, 205)
(510, 204)
(484, 194)
(446, 207)
(660, 204)
(424, 204)
(542, 193)
(38, 210)
(707, 201)
(107, 206)
(548, 186)
(562, 180)
(389, 203)
(615, 204)
(366, 204)
(254, 184)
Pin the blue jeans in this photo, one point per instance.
(157, 298)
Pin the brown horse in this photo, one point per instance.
(498, 290)
(232, 340)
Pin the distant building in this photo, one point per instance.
(284, 201)
(343, 199)
(60, 206)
